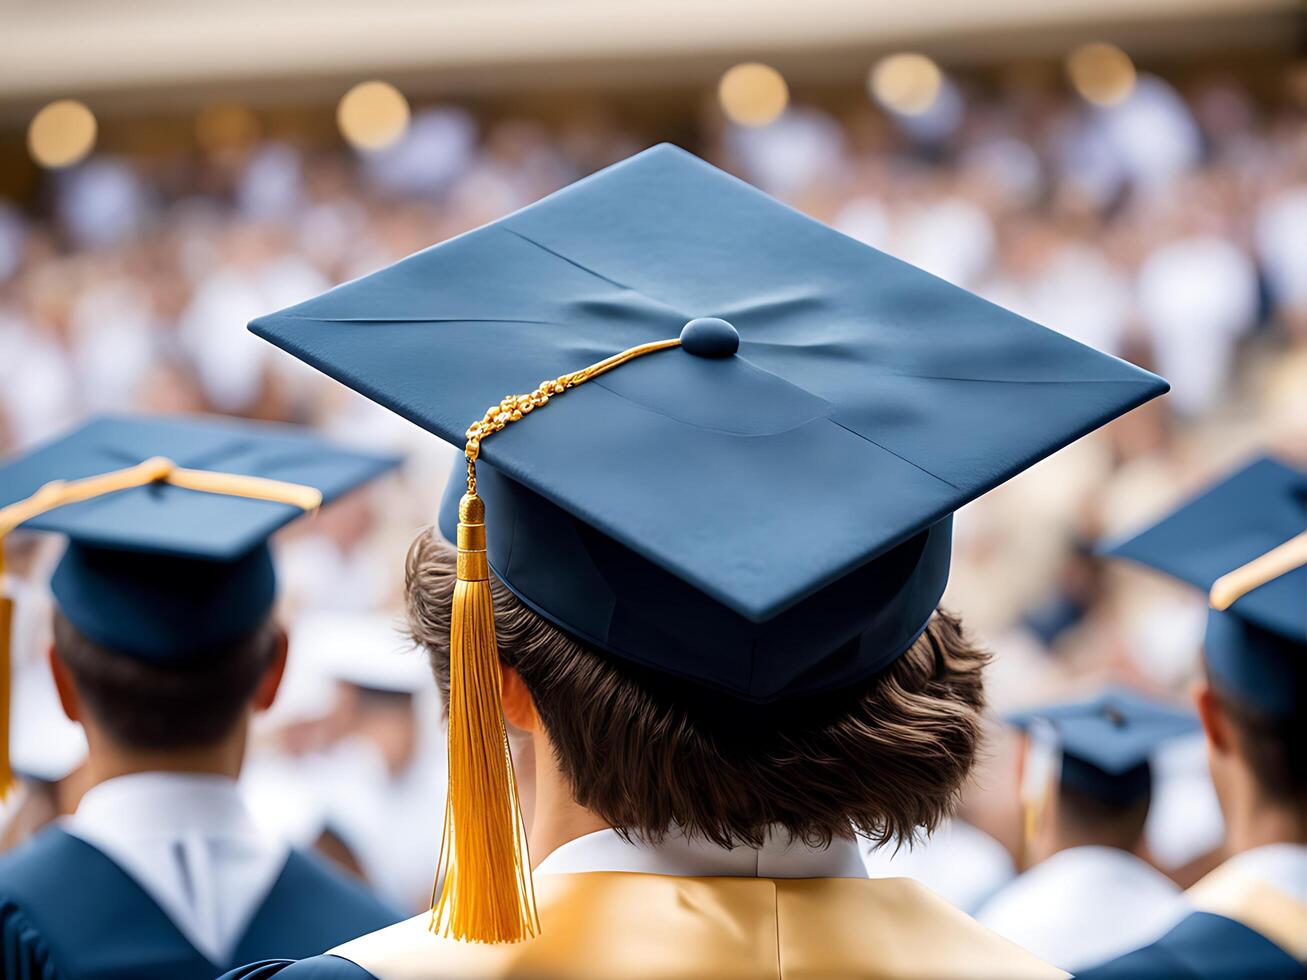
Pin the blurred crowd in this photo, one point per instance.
(1170, 229)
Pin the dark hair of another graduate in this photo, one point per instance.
(1275, 748)
(1084, 817)
(165, 707)
(649, 754)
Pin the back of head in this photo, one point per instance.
(166, 705)
(1099, 808)
(1272, 744)
(650, 754)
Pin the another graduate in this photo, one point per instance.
(1088, 895)
(1245, 542)
(164, 644)
(702, 573)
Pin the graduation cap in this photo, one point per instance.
(749, 487)
(167, 521)
(1106, 743)
(1244, 542)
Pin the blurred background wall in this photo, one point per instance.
(1130, 172)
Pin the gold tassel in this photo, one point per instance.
(1281, 560)
(487, 895)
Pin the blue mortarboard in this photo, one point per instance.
(1226, 541)
(740, 469)
(164, 570)
(791, 499)
(1107, 741)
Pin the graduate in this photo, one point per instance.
(164, 645)
(1088, 895)
(386, 811)
(700, 567)
(1244, 542)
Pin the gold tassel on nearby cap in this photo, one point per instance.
(58, 493)
(1233, 586)
(487, 895)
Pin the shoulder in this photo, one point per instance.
(45, 867)
(32, 877)
(903, 918)
(1025, 894)
(27, 862)
(341, 909)
(314, 968)
(1204, 945)
(692, 927)
(309, 874)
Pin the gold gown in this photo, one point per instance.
(611, 925)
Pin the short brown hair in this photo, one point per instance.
(164, 706)
(648, 753)
(1084, 816)
(1275, 748)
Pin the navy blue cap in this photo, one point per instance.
(1107, 742)
(765, 509)
(164, 572)
(1257, 647)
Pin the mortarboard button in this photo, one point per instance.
(710, 336)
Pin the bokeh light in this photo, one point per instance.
(1101, 73)
(372, 115)
(61, 134)
(753, 94)
(906, 83)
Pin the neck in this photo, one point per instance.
(1252, 822)
(108, 760)
(556, 817)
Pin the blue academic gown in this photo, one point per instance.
(1203, 946)
(67, 911)
(326, 967)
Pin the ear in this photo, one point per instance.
(63, 684)
(519, 707)
(270, 682)
(1215, 724)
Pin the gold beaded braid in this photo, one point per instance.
(514, 407)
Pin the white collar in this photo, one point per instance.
(606, 850)
(1283, 866)
(188, 841)
(164, 804)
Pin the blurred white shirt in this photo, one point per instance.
(1083, 295)
(1152, 133)
(114, 343)
(1281, 235)
(951, 238)
(960, 863)
(1198, 296)
(1085, 905)
(37, 390)
(804, 146)
(188, 841)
